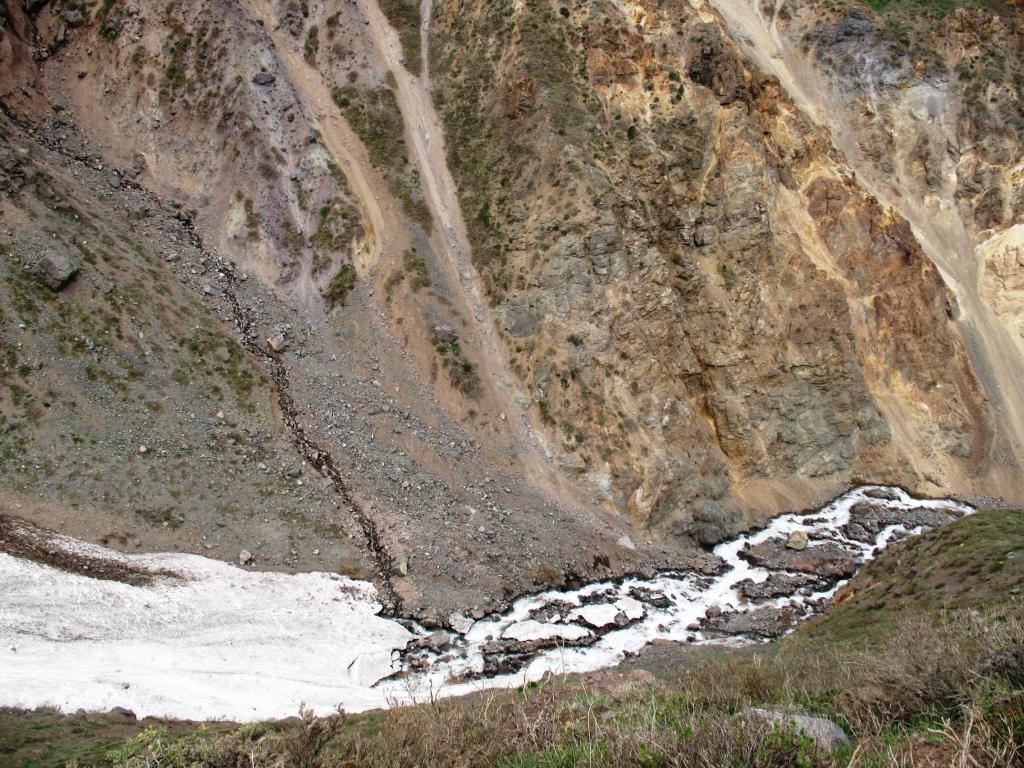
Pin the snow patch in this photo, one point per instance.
(218, 643)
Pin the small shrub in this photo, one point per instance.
(337, 291)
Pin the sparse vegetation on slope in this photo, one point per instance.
(630, 180)
(930, 682)
(404, 16)
(375, 117)
(337, 291)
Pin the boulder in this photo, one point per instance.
(828, 561)
(883, 493)
(825, 734)
(776, 585)
(767, 622)
(797, 540)
(244, 557)
(276, 342)
(55, 270)
(445, 334)
(263, 78)
(127, 714)
(438, 641)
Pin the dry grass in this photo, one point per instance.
(943, 691)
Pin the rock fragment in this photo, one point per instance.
(825, 734)
(797, 540)
(55, 270)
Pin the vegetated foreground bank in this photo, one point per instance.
(920, 659)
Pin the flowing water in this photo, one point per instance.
(213, 641)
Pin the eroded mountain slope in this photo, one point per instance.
(924, 102)
(285, 203)
(715, 315)
(521, 277)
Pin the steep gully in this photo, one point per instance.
(387, 228)
(202, 639)
(937, 225)
(314, 453)
(450, 239)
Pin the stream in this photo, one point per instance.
(201, 639)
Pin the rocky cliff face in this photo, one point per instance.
(712, 310)
(925, 104)
(660, 269)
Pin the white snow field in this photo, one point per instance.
(219, 642)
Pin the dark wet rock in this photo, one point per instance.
(764, 622)
(552, 610)
(649, 597)
(597, 598)
(884, 494)
(827, 560)
(868, 519)
(777, 585)
(708, 564)
(505, 656)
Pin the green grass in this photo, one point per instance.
(337, 291)
(44, 738)
(978, 563)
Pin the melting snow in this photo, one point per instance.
(219, 642)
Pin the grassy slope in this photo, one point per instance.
(923, 655)
(977, 563)
(935, 7)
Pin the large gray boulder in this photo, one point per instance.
(825, 734)
(55, 269)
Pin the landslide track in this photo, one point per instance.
(312, 451)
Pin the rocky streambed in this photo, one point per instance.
(766, 583)
(195, 638)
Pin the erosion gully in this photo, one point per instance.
(314, 453)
